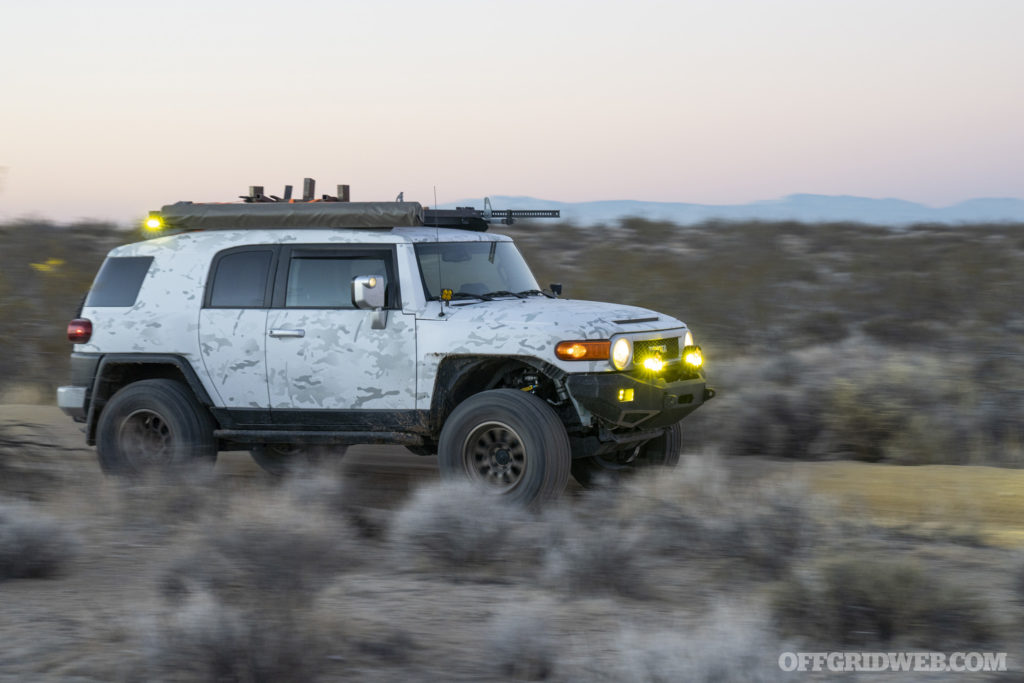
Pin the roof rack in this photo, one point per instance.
(259, 210)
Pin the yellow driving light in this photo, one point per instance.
(654, 364)
(154, 222)
(625, 395)
(693, 357)
(582, 350)
(622, 353)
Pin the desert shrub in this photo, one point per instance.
(593, 555)
(778, 423)
(204, 639)
(239, 602)
(456, 525)
(161, 503)
(856, 601)
(521, 642)
(697, 512)
(266, 548)
(32, 545)
(731, 644)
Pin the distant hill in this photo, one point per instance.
(799, 207)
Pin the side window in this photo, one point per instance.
(119, 281)
(326, 281)
(239, 279)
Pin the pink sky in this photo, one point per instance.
(108, 109)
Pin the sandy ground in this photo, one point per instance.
(85, 624)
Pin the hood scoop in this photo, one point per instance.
(636, 321)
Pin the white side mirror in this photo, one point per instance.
(370, 293)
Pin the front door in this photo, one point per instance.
(324, 358)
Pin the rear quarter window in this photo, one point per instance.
(119, 281)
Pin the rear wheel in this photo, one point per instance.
(661, 452)
(154, 424)
(278, 459)
(509, 441)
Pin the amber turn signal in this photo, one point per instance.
(583, 350)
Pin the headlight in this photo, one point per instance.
(622, 353)
(688, 338)
(693, 357)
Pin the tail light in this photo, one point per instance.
(79, 331)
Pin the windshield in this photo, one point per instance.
(473, 268)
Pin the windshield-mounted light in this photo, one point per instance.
(583, 350)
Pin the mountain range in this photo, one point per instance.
(811, 208)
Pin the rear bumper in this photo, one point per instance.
(655, 402)
(72, 401)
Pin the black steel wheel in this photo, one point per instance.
(154, 424)
(510, 442)
(661, 452)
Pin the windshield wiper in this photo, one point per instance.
(503, 292)
(459, 295)
(528, 292)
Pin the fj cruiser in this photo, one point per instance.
(298, 327)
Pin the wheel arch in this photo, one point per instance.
(459, 377)
(116, 371)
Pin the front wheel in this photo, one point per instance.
(509, 441)
(154, 424)
(661, 452)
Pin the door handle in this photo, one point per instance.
(287, 333)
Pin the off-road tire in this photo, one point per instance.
(278, 459)
(509, 440)
(154, 424)
(661, 452)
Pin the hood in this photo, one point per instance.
(575, 318)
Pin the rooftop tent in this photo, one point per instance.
(191, 216)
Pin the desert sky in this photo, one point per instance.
(111, 108)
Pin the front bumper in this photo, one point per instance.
(72, 401)
(656, 403)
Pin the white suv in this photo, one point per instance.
(294, 329)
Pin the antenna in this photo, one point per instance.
(437, 241)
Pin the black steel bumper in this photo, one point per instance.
(656, 403)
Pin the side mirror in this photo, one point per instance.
(369, 293)
(556, 288)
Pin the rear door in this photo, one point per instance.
(324, 359)
(232, 329)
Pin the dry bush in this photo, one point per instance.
(204, 639)
(457, 526)
(856, 601)
(699, 512)
(239, 602)
(730, 644)
(32, 544)
(521, 642)
(266, 547)
(590, 555)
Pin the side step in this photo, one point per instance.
(318, 437)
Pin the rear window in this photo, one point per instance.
(119, 281)
(240, 279)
